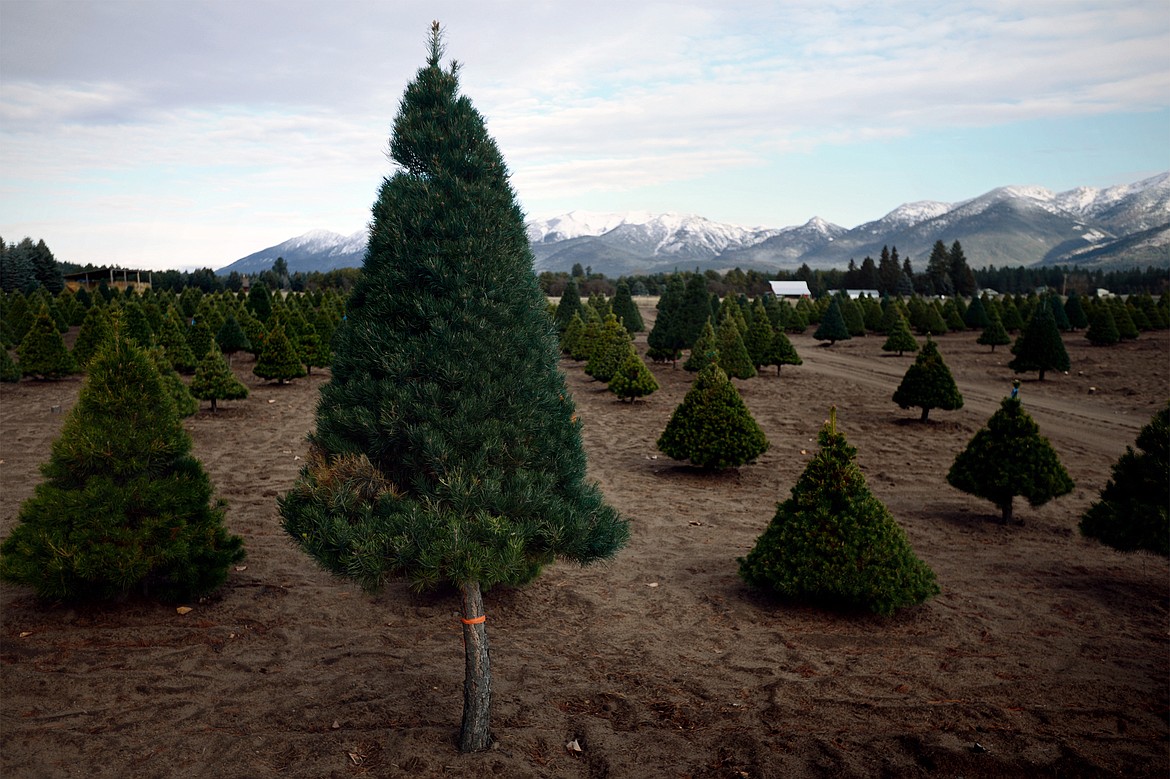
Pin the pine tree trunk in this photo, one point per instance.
(213, 405)
(1007, 512)
(925, 412)
(1041, 375)
(477, 683)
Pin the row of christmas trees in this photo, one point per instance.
(193, 332)
(712, 427)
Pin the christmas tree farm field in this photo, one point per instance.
(1045, 653)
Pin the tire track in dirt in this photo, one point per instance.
(1090, 424)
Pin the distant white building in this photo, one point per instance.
(790, 289)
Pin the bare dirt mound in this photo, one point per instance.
(1045, 654)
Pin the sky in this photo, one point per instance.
(169, 134)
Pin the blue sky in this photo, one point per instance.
(189, 134)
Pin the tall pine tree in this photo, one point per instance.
(446, 448)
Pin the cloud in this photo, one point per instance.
(278, 113)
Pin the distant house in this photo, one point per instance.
(115, 278)
(790, 289)
(1101, 292)
(854, 294)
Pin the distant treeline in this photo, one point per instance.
(27, 266)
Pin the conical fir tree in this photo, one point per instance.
(928, 383)
(899, 338)
(994, 334)
(834, 543)
(215, 381)
(95, 331)
(278, 360)
(632, 379)
(733, 355)
(1007, 458)
(782, 352)
(626, 310)
(1132, 512)
(1103, 331)
(124, 504)
(610, 350)
(572, 334)
(43, 353)
(1040, 347)
(230, 338)
(712, 427)
(446, 449)
(570, 304)
(832, 327)
(704, 352)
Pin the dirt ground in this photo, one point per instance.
(1045, 655)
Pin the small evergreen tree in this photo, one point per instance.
(632, 379)
(179, 393)
(760, 334)
(994, 334)
(278, 361)
(134, 325)
(1103, 330)
(1121, 316)
(782, 352)
(832, 327)
(834, 543)
(1040, 347)
(215, 381)
(569, 305)
(1059, 315)
(173, 339)
(1075, 310)
(928, 383)
(712, 427)
(976, 317)
(694, 310)
(200, 338)
(1013, 321)
(609, 351)
(852, 314)
(230, 338)
(899, 338)
(313, 353)
(42, 352)
(1132, 512)
(590, 337)
(124, 504)
(572, 334)
(665, 339)
(733, 355)
(626, 310)
(95, 331)
(1007, 458)
(704, 352)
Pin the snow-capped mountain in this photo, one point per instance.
(316, 250)
(1010, 225)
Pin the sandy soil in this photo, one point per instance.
(1045, 655)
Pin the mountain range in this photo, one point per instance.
(1113, 227)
